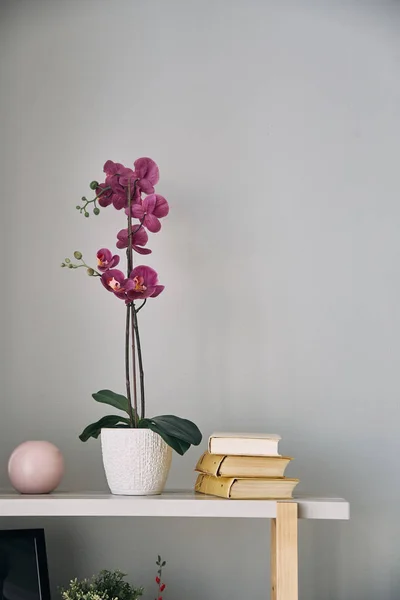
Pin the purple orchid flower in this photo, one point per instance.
(127, 177)
(144, 284)
(117, 193)
(112, 169)
(147, 173)
(119, 179)
(127, 180)
(139, 239)
(106, 260)
(104, 196)
(150, 210)
(115, 281)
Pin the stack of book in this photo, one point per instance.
(244, 466)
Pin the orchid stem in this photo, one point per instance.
(140, 359)
(128, 382)
(129, 253)
(135, 400)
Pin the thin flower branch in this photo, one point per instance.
(96, 210)
(67, 263)
(161, 585)
(137, 229)
(141, 306)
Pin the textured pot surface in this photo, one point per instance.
(136, 461)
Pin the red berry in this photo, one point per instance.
(162, 588)
(159, 597)
(158, 580)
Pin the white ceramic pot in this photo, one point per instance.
(136, 461)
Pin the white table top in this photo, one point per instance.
(168, 504)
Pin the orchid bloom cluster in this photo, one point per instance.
(124, 188)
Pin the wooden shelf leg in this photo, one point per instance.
(284, 553)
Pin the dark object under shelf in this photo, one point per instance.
(23, 565)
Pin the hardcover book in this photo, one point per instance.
(242, 466)
(246, 489)
(244, 444)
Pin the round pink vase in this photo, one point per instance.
(36, 468)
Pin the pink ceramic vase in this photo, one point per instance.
(36, 468)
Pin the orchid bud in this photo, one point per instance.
(84, 199)
(78, 207)
(78, 255)
(70, 266)
(86, 214)
(67, 260)
(94, 185)
(96, 211)
(90, 272)
(63, 265)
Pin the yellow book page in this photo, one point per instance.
(253, 466)
(209, 463)
(242, 466)
(263, 489)
(214, 486)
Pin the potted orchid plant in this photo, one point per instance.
(137, 450)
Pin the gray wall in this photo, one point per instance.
(276, 127)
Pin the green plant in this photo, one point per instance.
(107, 585)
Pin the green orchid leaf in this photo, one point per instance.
(180, 428)
(93, 430)
(113, 399)
(180, 446)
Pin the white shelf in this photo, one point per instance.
(168, 504)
